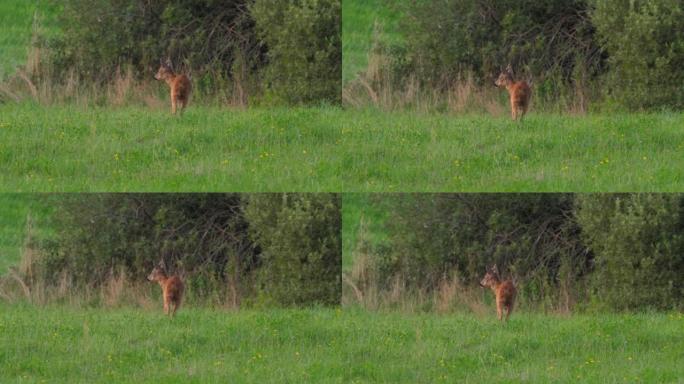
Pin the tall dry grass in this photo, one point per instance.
(364, 287)
(28, 283)
(21, 284)
(379, 87)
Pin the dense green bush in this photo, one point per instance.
(304, 48)
(530, 236)
(295, 45)
(614, 251)
(104, 233)
(639, 246)
(629, 53)
(645, 43)
(550, 39)
(299, 234)
(224, 244)
(204, 36)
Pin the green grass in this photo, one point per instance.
(60, 345)
(334, 150)
(63, 345)
(14, 211)
(208, 149)
(358, 22)
(16, 26)
(357, 207)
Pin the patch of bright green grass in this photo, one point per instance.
(210, 149)
(531, 348)
(358, 23)
(62, 345)
(15, 209)
(16, 27)
(334, 150)
(358, 208)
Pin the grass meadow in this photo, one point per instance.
(62, 345)
(70, 148)
(80, 342)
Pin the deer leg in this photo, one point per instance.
(509, 309)
(174, 102)
(499, 311)
(175, 307)
(521, 112)
(166, 306)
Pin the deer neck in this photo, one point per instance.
(495, 286)
(162, 280)
(171, 79)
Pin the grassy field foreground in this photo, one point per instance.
(57, 344)
(332, 149)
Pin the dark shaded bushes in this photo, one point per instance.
(226, 46)
(623, 252)
(645, 44)
(639, 245)
(229, 247)
(578, 52)
(304, 48)
(301, 246)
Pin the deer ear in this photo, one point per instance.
(509, 68)
(495, 269)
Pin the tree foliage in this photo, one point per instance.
(220, 243)
(205, 36)
(623, 252)
(639, 248)
(305, 48)
(294, 45)
(531, 236)
(301, 246)
(629, 52)
(549, 39)
(645, 43)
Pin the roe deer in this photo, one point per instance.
(504, 291)
(180, 86)
(172, 289)
(519, 92)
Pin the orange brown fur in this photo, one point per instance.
(519, 92)
(172, 289)
(180, 85)
(504, 291)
